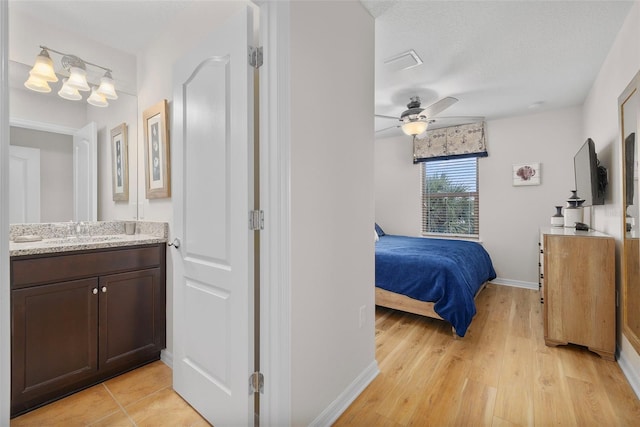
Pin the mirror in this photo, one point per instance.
(29, 111)
(629, 103)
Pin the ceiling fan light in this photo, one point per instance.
(68, 92)
(107, 87)
(37, 84)
(96, 99)
(78, 79)
(43, 67)
(415, 127)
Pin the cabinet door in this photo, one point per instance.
(132, 318)
(53, 342)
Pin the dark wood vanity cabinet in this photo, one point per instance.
(82, 317)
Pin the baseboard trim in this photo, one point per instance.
(346, 398)
(629, 373)
(515, 283)
(167, 358)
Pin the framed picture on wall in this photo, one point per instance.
(156, 151)
(526, 174)
(120, 162)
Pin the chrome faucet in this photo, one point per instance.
(76, 229)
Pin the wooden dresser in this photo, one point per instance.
(577, 283)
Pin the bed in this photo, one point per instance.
(438, 278)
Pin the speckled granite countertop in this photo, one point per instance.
(62, 237)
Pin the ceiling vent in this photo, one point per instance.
(403, 61)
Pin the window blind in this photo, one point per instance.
(450, 197)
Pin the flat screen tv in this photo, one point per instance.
(591, 177)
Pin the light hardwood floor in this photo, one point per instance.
(500, 374)
(142, 397)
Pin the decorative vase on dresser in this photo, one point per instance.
(574, 211)
(578, 289)
(557, 220)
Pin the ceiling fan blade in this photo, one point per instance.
(387, 128)
(387, 117)
(448, 121)
(438, 106)
(459, 119)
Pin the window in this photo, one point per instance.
(450, 197)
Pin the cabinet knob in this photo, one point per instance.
(95, 291)
(104, 289)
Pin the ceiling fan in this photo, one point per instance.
(416, 119)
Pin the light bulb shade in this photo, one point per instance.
(37, 84)
(96, 99)
(107, 88)
(415, 127)
(78, 79)
(43, 68)
(68, 92)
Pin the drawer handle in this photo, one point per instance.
(95, 291)
(104, 289)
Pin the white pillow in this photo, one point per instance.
(376, 234)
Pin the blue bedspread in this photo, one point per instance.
(445, 272)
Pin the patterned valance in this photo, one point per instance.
(445, 143)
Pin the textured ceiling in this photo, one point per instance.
(497, 57)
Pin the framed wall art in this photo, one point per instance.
(526, 174)
(120, 161)
(156, 148)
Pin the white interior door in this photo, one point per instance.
(85, 173)
(24, 180)
(212, 161)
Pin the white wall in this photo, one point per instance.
(46, 108)
(397, 186)
(509, 216)
(122, 110)
(332, 202)
(601, 122)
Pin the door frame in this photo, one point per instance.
(275, 250)
(5, 312)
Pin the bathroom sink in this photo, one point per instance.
(84, 239)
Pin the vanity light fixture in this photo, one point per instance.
(43, 72)
(96, 99)
(68, 92)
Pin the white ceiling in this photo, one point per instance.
(125, 25)
(497, 57)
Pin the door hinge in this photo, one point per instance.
(256, 383)
(256, 220)
(255, 56)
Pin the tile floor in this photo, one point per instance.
(143, 397)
